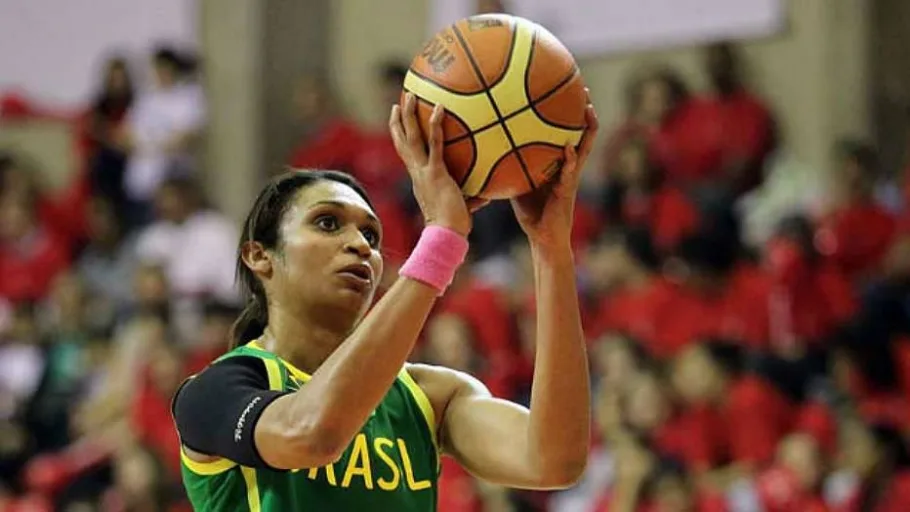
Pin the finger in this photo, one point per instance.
(411, 126)
(476, 203)
(587, 140)
(436, 136)
(398, 136)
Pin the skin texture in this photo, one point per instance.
(317, 322)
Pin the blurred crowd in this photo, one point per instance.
(748, 322)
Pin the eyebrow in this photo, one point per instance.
(339, 204)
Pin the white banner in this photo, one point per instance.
(597, 27)
(54, 50)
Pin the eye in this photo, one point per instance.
(372, 236)
(326, 222)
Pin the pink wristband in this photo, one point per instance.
(439, 253)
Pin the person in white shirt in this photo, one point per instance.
(161, 128)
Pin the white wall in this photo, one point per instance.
(54, 49)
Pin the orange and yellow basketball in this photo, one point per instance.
(514, 98)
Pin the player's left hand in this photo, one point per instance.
(546, 214)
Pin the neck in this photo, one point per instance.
(302, 341)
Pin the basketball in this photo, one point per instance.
(513, 95)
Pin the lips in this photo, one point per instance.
(361, 271)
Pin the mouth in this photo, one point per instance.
(359, 273)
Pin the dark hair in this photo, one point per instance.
(169, 57)
(107, 103)
(729, 356)
(637, 242)
(262, 226)
(678, 89)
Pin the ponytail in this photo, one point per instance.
(250, 324)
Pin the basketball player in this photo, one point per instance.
(315, 409)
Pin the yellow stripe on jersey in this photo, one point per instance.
(297, 373)
(422, 401)
(275, 380)
(213, 467)
(252, 489)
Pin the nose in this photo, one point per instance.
(357, 244)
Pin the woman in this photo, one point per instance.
(317, 409)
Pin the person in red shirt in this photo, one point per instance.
(653, 98)
(733, 415)
(856, 233)
(629, 294)
(31, 254)
(793, 482)
(636, 194)
(332, 139)
(746, 124)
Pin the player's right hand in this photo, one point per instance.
(439, 197)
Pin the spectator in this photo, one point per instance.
(107, 264)
(160, 131)
(730, 414)
(876, 459)
(193, 243)
(31, 254)
(637, 195)
(856, 232)
(105, 122)
(794, 481)
(331, 140)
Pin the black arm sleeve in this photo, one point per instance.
(216, 411)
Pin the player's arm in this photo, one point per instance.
(314, 425)
(546, 446)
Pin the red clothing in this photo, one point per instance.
(745, 427)
(704, 502)
(377, 165)
(818, 421)
(780, 491)
(857, 238)
(457, 491)
(807, 301)
(487, 312)
(635, 312)
(154, 426)
(334, 146)
(738, 311)
(667, 213)
(28, 267)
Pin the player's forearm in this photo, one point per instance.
(560, 397)
(349, 385)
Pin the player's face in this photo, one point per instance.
(330, 258)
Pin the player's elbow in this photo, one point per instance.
(304, 443)
(564, 475)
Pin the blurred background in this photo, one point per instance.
(742, 237)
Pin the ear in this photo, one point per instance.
(257, 259)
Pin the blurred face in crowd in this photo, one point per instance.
(118, 81)
(672, 494)
(695, 377)
(15, 182)
(166, 369)
(173, 204)
(150, 286)
(614, 362)
(165, 73)
(632, 165)
(858, 449)
(17, 218)
(136, 476)
(103, 228)
(721, 65)
(800, 454)
(312, 100)
(646, 405)
(450, 342)
(654, 100)
(68, 296)
(608, 265)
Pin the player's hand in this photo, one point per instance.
(546, 214)
(439, 197)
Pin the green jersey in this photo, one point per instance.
(391, 464)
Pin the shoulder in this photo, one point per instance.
(441, 385)
(236, 371)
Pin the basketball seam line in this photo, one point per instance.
(489, 94)
(522, 110)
